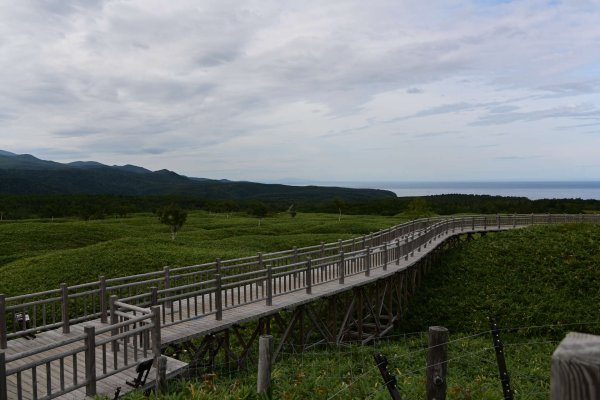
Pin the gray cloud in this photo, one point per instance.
(145, 81)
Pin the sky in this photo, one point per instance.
(378, 90)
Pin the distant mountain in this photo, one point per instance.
(7, 153)
(27, 175)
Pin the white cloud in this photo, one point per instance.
(320, 90)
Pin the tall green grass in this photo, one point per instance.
(38, 255)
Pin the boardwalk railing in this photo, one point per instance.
(132, 309)
(81, 360)
(239, 280)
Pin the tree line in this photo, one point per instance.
(103, 206)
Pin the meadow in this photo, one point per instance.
(40, 254)
(538, 283)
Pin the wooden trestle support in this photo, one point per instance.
(362, 314)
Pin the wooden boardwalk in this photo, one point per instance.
(70, 359)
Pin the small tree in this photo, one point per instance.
(258, 209)
(339, 204)
(174, 216)
(417, 208)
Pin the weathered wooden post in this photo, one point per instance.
(218, 298)
(472, 223)
(153, 296)
(3, 321)
(102, 298)
(437, 363)
(90, 360)
(259, 258)
(342, 268)
(161, 372)
(265, 352)
(64, 307)
(323, 249)
(498, 220)
(167, 278)
(514, 220)
(3, 387)
(406, 251)
(114, 319)
(308, 275)
(397, 251)
(269, 284)
(575, 366)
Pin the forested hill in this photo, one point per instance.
(27, 175)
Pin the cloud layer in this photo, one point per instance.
(336, 90)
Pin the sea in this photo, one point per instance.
(532, 190)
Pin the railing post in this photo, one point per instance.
(412, 245)
(498, 220)
(397, 251)
(472, 223)
(102, 294)
(308, 275)
(514, 220)
(549, 218)
(269, 284)
(342, 268)
(531, 223)
(167, 272)
(368, 261)
(385, 256)
(322, 249)
(295, 250)
(64, 307)
(259, 257)
(406, 248)
(340, 246)
(90, 360)
(2, 321)
(453, 225)
(462, 224)
(485, 222)
(156, 339)
(218, 298)
(3, 387)
(114, 319)
(153, 296)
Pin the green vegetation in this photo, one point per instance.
(37, 255)
(527, 279)
(173, 216)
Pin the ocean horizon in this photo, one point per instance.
(533, 190)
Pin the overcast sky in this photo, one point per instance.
(321, 90)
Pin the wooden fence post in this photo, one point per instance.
(3, 321)
(259, 260)
(406, 248)
(342, 268)
(437, 363)
(102, 298)
(218, 298)
(3, 388)
(397, 251)
(265, 352)
(308, 275)
(90, 360)
(575, 366)
(64, 306)
(322, 249)
(269, 284)
(161, 374)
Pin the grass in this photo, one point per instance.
(37, 255)
(542, 281)
(528, 278)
